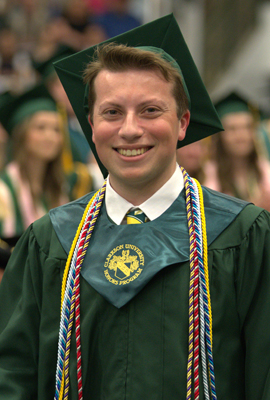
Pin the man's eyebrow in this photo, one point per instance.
(152, 101)
(107, 103)
(144, 103)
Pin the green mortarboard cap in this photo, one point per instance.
(233, 103)
(14, 109)
(163, 33)
(45, 68)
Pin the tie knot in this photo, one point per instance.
(136, 216)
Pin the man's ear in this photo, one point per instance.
(183, 125)
(92, 127)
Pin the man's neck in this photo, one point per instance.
(135, 196)
(137, 193)
(153, 206)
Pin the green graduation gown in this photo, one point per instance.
(139, 350)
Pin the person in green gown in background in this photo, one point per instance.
(173, 306)
(33, 180)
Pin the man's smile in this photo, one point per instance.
(132, 152)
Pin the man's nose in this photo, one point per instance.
(130, 127)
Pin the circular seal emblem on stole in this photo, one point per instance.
(124, 264)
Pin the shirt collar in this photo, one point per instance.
(117, 206)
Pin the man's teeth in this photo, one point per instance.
(131, 153)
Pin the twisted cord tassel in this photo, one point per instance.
(80, 258)
(194, 204)
(69, 296)
(201, 294)
(191, 287)
(77, 294)
(195, 208)
(68, 282)
(196, 333)
(207, 303)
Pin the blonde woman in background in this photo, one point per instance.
(238, 168)
(33, 182)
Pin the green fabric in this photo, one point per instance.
(155, 245)
(163, 33)
(140, 350)
(232, 103)
(14, 109)
(30, 108)
(231, 108)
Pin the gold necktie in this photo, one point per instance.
(136, 216)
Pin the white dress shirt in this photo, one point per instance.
(117, 206)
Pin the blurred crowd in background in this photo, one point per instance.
(45, 160)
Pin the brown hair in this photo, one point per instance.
(54, 177)
(118, 57)
(225, 170)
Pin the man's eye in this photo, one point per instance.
(151, 112)
(111, 112)
(151, 109)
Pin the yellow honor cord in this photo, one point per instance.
(205, 258)
(65, 275)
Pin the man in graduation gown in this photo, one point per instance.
(132, 334)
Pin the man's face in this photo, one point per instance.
(136, 128)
